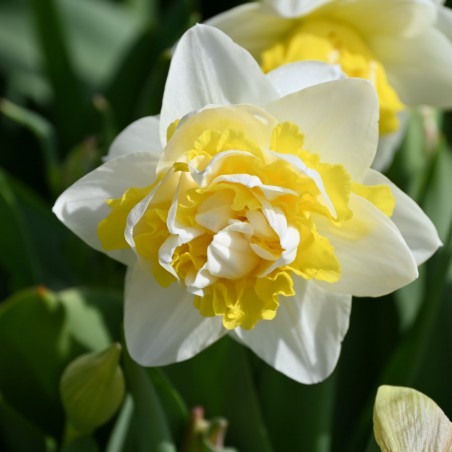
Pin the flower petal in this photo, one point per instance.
(83, 205)
(418, 67)
(389, 143)
(209, 68)
(295, 8)
(292, 77)
(401, 17)
(303, 341)
(140, 136)
(161, 324)
(417, 229)
(339, 120)
(374, 257)
(444, 23)
(252, 26)
(406, 420)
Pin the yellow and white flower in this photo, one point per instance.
(243, 210)
(399, 45)
(405, 420)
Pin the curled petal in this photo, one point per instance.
(373, 255)
(161, 324)
(417, 229)
(292, 77)
(304, 340)
(349, 139)
(83, 205)
(406, 420)
(140, 136)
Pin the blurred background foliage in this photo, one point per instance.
(73, 73)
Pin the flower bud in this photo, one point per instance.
(92, 389)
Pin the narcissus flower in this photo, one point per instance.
(243, 210)
(396, 44)
(405, 420)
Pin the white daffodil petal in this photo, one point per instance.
(83, 205)
(295, 8)
(252, 26)
(388, 144)
(420, 68)
(374, 258)
(293, 77)
(209, 68)
(404, 18)
(444, 23)
(417, 229)
(350, 138)
(405, 420)
(140, 136)
(161, 324)
(303, 341)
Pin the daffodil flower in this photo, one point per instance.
(396, 44)
(244, 210)
(405, 420)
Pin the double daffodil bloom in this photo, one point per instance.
(244, 210)
(405, 420)
(398, 45)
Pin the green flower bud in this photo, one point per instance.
(92, 388)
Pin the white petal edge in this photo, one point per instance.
(384, 17)
(140, 136)
(252, 26)
(293, 77)
(161, 324)
(388, 144)
(406, 420)
(415, 226)
(304, 340)
(444, 23)
(295, 8)
(209, 68)
(339, 121)
(83, 205)
(419, 68)
(372, 264)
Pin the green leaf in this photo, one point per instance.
(151, 427)
(299, 417)
(40, 333)
(83, 444)
(174, 407)
(18, 254)
(70, 101)
(220, 380)
(120, 431)
(45, 135)
(33, 360)
(17, 434)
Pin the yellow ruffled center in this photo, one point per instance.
(337, 43)
(232, 221)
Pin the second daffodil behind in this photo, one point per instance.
(241, 210)
(398, 45)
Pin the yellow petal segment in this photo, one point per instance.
(337, 43)
(111, 229)
(405, 420)
(234, 222)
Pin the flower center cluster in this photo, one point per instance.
(336, 43)
(233, 221)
